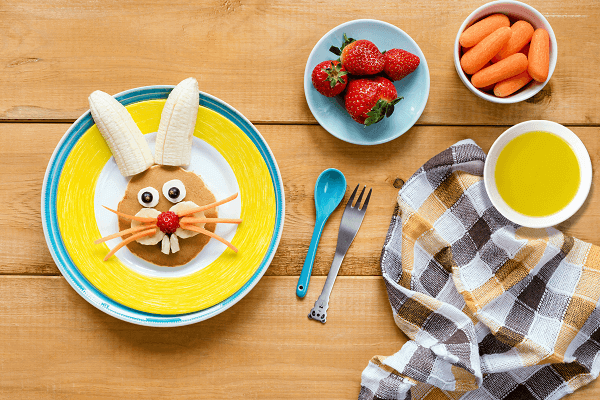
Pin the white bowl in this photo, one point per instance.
(585, 168)
(516, 10)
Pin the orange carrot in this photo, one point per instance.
(484, 51)
(509, 86)
(525, 50)
(539, 55)
(130, 239)
(500, 71)
(190, 220)
(522, 31)
(208, 206)
(479, 30)
(489, 87)
(124, 232)
(132, 217)
(209, 233)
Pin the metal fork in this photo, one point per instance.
(351, 221)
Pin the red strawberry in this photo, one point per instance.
(399, 63)
(360, 57)
(370, 99)
(329, 78)
(167, 221)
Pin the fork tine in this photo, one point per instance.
(360, 197)
(351, 199)
(364, 206)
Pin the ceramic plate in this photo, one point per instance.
(331, 113)
(228, 153)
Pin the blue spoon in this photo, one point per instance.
(329, 191)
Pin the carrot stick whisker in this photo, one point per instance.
(130, 239)
(208, 206)
(124, 232)
(209, 233)
(190, 220)
(132, 217)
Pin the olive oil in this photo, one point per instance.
(537, 174)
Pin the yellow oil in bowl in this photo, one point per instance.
(537, 174)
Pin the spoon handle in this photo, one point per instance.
(304, 279)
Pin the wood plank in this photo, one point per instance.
(252, 54)
(302, 153)
(54, 345)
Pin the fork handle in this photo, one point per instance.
(304, 279)
(333, 272)
(319, 311)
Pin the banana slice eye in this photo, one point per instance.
(148, 197)
(174, 191)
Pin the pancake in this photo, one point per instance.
(196, 191)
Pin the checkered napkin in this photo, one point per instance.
(493, 310)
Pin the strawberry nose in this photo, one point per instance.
(168, 222)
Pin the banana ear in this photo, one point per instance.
(119, 130)
(177, 123)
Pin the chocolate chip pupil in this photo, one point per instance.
(174, 193)
(147, 197)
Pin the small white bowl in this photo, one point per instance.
(516, 10)
(585, 168)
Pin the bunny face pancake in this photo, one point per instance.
(196, 191)
(167, 214)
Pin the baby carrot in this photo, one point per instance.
(503, 69)
(522, 31)
(539, 55)
(509, 86)
(488, 87)
(474, 59)
(478, 31)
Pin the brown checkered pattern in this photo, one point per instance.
(493, 310)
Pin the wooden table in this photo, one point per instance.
(251, 54)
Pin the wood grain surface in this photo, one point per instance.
(54, 345)
(264, 347)
(252, 54)
(302, 152)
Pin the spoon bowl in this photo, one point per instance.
(329, 192)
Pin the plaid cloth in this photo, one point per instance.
(493, 310)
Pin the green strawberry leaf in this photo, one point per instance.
(347, 41)
(338, 50)
(389, 110)
(335, 74)
(377, 112)
(397, 100)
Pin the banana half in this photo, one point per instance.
(126, 141)
(177, 123)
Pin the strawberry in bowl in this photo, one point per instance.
(399, 63)
(376, 82)
(370, 99)
(359, 57)
(329, 78)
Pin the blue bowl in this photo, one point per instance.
(331, 113)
